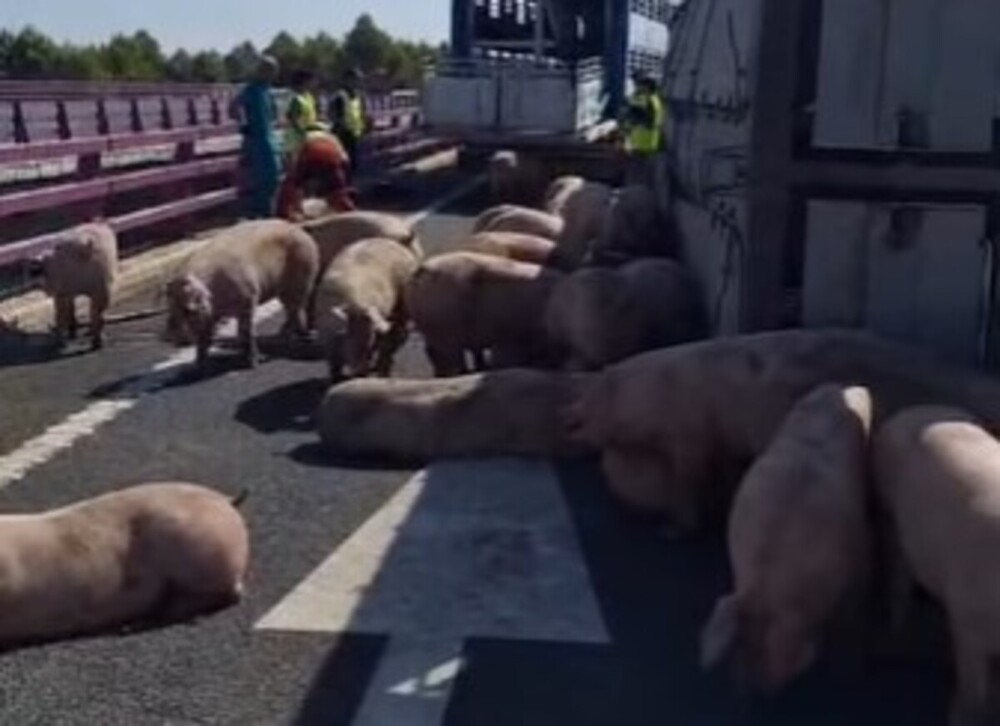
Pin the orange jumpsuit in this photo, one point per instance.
(323, 164)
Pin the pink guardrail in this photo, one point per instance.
(86, 125)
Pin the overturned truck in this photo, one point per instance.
(837, 163)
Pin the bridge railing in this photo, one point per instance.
(137, 155)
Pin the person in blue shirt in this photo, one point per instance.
(261, 153)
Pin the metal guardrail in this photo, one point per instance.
(164, 130)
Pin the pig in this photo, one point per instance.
(82, 264)
(559, 191)
(584, 212)
(360, 316)
(523, 220)
(515, 411)
(514, 177)
(335, 233)
(234, 272)
(599, 316)
(154, 553)
(799, 542)
(514, 246)
(676, 421)
(467, 302)
(937, 471)
(633, 227)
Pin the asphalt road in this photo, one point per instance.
(252, 430)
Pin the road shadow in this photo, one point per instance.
(340, 683)
(287, 408)
(19, 349)
(656, 595)
(316, 455)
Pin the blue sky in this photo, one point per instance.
(197, 24)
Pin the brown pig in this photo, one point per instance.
(83, 264)
(559, 191)
(937, 471)
(512, 412)
(468, 302)
(584, 212)
(599, 316)
(673, 422)
(523, 220)
(515, 177)
(799, 542)
(335, 233)
(139, 556)
(515, 246)
(239, 269)
(633, 226)
(360, 316)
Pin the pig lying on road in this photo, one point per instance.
(523, 220)
(938, 472)
(799, 541)
(600, 316)
(693, 415)
(515, 246)
(359, 307)
(84, 264)
(152, 553)
(515, 412)
(243, 267)
(467, 302)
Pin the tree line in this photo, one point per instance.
(30, 54)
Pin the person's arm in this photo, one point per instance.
(642, 114)
(237, 109)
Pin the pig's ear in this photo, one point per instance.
(339, 318)
(719, 635)
(379, 323)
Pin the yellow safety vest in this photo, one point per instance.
(643, 139)
(354, 116)
(302, 117)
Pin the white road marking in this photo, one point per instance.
(35, 452)
(463, 549)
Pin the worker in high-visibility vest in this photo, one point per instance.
(301, 116)
(260, 159)
(643, 124)
(348, 119)
(319, 168)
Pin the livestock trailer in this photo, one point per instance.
(837, 163)
(542, 69)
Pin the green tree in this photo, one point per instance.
(79, 63)
(286, 50)
(135, 57)
(180, 67)
(208, 67)
(367, 46)
(30, 54)
(323, 55)
(241, 62)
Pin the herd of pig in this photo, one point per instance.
(840, 459)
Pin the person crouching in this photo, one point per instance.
(320, 168)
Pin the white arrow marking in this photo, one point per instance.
(464, 549)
